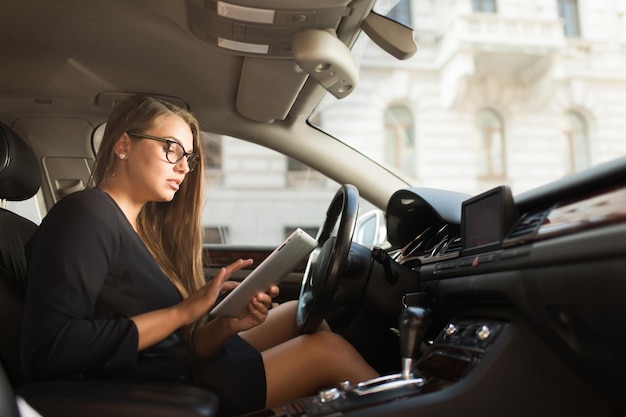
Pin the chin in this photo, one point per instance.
(165, 197)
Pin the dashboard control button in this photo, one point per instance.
(451, 329)
(484, 332)
(329, 394)
(466, 262)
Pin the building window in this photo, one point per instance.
(400, 139)
(484, 6)
(295, 165)
(577, 142)
(568, 11)
(491, 147)
(300, 175)
(212, 150)
(216, 234)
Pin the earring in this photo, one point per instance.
(122, 155)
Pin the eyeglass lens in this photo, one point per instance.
(175, 152)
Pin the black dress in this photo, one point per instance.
(88, 273)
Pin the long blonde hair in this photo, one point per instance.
(171, 230)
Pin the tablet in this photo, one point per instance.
(271, 271)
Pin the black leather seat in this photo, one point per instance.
(20, 179)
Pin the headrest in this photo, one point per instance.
(20, 175)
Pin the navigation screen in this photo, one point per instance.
(483, 218)
(486, 219)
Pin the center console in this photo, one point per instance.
(455, 351)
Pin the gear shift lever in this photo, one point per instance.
(414, 321)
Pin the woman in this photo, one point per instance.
(116, 287)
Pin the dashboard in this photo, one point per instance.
(553, 257)
(522, 299)
(431, 226)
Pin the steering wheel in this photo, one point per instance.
(328, 260)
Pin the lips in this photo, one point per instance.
(174, 183)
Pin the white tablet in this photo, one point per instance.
(271, 271)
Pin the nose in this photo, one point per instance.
(182, 165)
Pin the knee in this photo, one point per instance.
(287, 309)
(332, 344)
(329, 339)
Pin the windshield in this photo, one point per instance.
(517, 93)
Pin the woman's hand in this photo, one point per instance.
(212, 336)
(258, 309)
(154, 326)
(197, 304)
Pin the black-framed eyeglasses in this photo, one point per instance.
(174, 151)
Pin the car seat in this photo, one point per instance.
(20, 179)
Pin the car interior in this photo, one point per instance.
(494, 303)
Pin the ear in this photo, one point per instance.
(122, 145)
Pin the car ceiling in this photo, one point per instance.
(80, 57)
(86, 47)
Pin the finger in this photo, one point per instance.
(273, 291)
(218, 279)
(237, 265)
(258, 311)
(229, 286)
(225, 272)
(264, 299)
(263, 296)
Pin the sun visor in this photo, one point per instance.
(281, 80)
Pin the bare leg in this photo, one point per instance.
(279, 327)
(302, 366)
(299, 365)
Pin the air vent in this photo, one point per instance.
(447, 249)
(528, 224)
(453, 245)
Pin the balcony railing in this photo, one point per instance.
(490, 31)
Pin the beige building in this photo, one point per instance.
(517, 92)
(510, 91)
